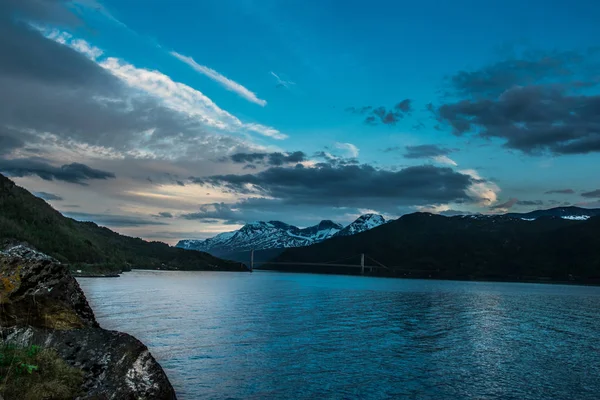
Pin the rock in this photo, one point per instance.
(42, 304)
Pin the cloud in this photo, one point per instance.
(532, 67)
(53, 96)
(484, 190)
(351, 149)
(275, 159)
(382, 114)
(404, 106)
(359, 110)
(219, 211)
(530, 202)
(424, 151)
(110, 220)
(47, 196)
(350, 185)
(72, 173)
(505, 206)
(281, 83)
(431, 151)
(536, 102)
(9, 143)
(533, 119)
(560, 191)
(164, 214)
(592, 194)
(224, 81)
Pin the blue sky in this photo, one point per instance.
(197, 83)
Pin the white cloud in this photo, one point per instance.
(223, 80)
(486, 192)
(282, 82)
(351, 149)
(445, 160)
(84, 47)
(175, 95)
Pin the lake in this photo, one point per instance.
(270, 335)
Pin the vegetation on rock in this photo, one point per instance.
(36, 373)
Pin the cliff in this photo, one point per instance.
(43, 307)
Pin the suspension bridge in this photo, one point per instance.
(366, 263)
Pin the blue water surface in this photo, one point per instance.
(270, 335)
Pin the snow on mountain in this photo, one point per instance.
(572, 213)
(276, 234)
(361, 224)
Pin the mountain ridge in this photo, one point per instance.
(262, 235)
(471, 247)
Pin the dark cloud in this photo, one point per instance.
(334, 161)
(534, 103)
(48, 87)
(249, 166)
(269, 209)
(274, 159)
(216, 211)
(531, 68)
(382, 114)
(247, 157)
(426, 151)
(505, 205)
(52, 11)
(404, 106)
(349, 185)
(530, 202)
(113, 220)
(47, 196)
(534, 120)
(73, 173)
(592, 194)
(164, 214)
(560, 191)
(359, 110)
(9, 143)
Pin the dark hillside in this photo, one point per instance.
(26, 218)
(471, 247)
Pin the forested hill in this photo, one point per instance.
(471, 247)
(26, 218)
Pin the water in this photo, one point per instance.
(270, 335)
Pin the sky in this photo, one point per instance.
(178, 120)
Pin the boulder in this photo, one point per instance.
(42, 304)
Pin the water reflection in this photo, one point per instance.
(274, 335)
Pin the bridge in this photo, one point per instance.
(334, 263)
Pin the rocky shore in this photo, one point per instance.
(43, 307)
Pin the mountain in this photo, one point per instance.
(499, 247)
(276, 235)
(27, 218)
(574, 213)
(361, 224)
(263, 235)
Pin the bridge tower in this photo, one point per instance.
(252, 259)
(362, 263)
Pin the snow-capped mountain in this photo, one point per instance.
(362, 223)
(276, 235)
(263, 235)
(572, 213)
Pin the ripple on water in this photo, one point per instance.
(274, 335)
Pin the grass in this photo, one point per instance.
(36, 373)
